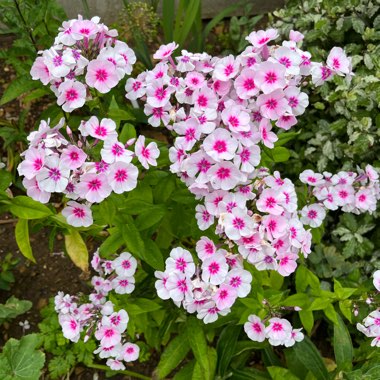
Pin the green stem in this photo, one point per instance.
(29, 30)
(125, 372)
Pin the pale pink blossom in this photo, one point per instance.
(262, 37)
(313, 215)
(93, 187)
(165, 51)
(125, 265)
(72, 95)
(255, 328)
(147, 155)
(54, 176)
(214, 269)
(77, 215)
(101, 75)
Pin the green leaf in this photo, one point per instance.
(310, 357)
(164, 189)
(20, 360)
(150, 217)
(343, 349)
(198, 344)
(132, 238)
(22, 239)
(173, 355)
(300, 299)
(307, 320)
(13, 308)
(128, 132)
(250, 374)
(5, 179)
(226, 347)
(280, 154)
(77, 249)
(152, 255)
(331, 314)
(18, 87)
(112, 243)
(280, 373)
(168, 9)
(27, 208)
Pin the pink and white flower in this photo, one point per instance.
(77, 215)
(101, 75)
(255, 328)
(72, 95)
(93, 187)
(125, 265)
(313, 215)
(147, 155)
(122, 177)
(54, 176)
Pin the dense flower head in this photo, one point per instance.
(98, 317)
(208, 289)
(222, 112)
(370, 326)
(86, 55)
(279, 331)
(56, 164)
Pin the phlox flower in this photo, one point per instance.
(226, 68)
(107, 352)
(271, 201)
(160, 285)
(122, 177)
(295, 336)
(311, 178)
(289, 58)
(157, 114)
(178, 286)
(286, 263)
(245, 84)
(72, 95)
(54, 176)
(108, 335)
(33, 163)
(296, 36)
(204, 219)
(255, 328)
(198, 163)
(115, 151)
(237, 224)
(158, 94)
(70, 327)
(286, 122)
(338, 61)
(125, 265)
(81, 29)
(262, 37)
(40, 71)
(220, 145)
(225, 176)
(117, 319)
(93, 187)
(236, 119)
(204, 98)
(135, 88)
(165, 51)
(365, 200)
(129, 352)
(240, 280)
(205, 247)
(77, 215)
(180, 260)
(273, 105)
(270, 76)
(278, 331)
(214, 269)
(313, 215)
(101, 130)
(115, 365)
(274, 225)
(320, 74)
(345, 195)
(297, 100)
(123, 285)
(224, 297)
(194, 80)
(146, 154)
(73, 157)
(209, 312)
(101, 75)
(189, 131)
(34, 191)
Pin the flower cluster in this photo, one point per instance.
(56, 164)
(210, 288)
(85, 55)
(352, 192)
(98, 316)
(220, 110)
(279, 331)
(371, 324)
